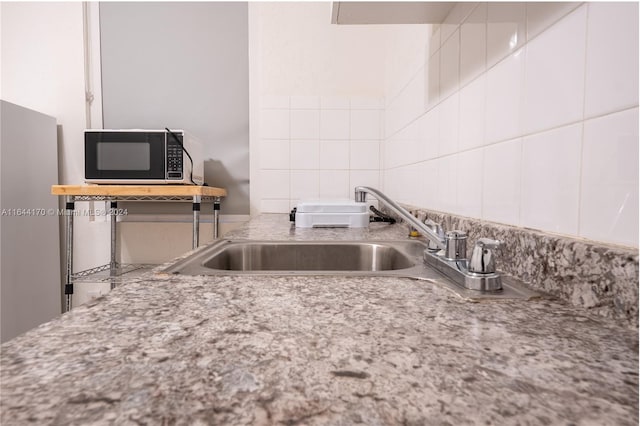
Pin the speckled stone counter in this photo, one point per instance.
(599, 277)
(164, 350)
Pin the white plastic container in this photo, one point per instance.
(332, 214)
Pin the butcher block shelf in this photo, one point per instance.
(138, 190)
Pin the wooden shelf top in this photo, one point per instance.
(138, 190)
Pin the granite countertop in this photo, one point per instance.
(168, 350)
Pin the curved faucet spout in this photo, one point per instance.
(361, 197)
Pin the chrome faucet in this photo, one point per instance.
(447, 252)
(361, 197)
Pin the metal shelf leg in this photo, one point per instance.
(216, 217)
(68, 287)
(113, 264)
(196, 221)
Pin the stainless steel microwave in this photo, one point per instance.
(137, 156)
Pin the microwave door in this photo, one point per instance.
(125, 156)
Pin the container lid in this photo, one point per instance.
(331, 206)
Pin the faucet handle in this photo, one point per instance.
(433, 225)
(483, 257)
(455, 245)
(437, 229)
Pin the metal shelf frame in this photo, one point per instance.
(114, 193)
(93, 274)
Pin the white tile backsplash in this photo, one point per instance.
(334, 184)
(369, 178)
(541, 135)
(274, 206)
(447, 190)
(305, 184)
(305, 154)
(501, 182)
(274, 124)
(274, 184)
(392, 152)
(334, 124)
(449, 125)
(334, 155)
(609, 201)
(404, 193)
(429, 179)
(524, 114)
(365, 155)
(554, 84)
(408, 105)
(612, 58)
(391, 182)
(503, 119)
(430, 133)
(469, 185)
(432, 81)
(274, 154)
(317, 147)
(551, 180)
(472, 104)
(305, 124)
(410, 143)
(365, 124)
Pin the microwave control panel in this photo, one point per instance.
(174, 159)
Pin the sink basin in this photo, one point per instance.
(299, 257)
(243, 256)
(403, 258)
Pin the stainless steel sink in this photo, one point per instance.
(300, 257)
(402, 258)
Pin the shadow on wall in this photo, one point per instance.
(218, 175)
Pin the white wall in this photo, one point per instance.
(43, 69)
(520, 113)
(320, 90)
(204, 91)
